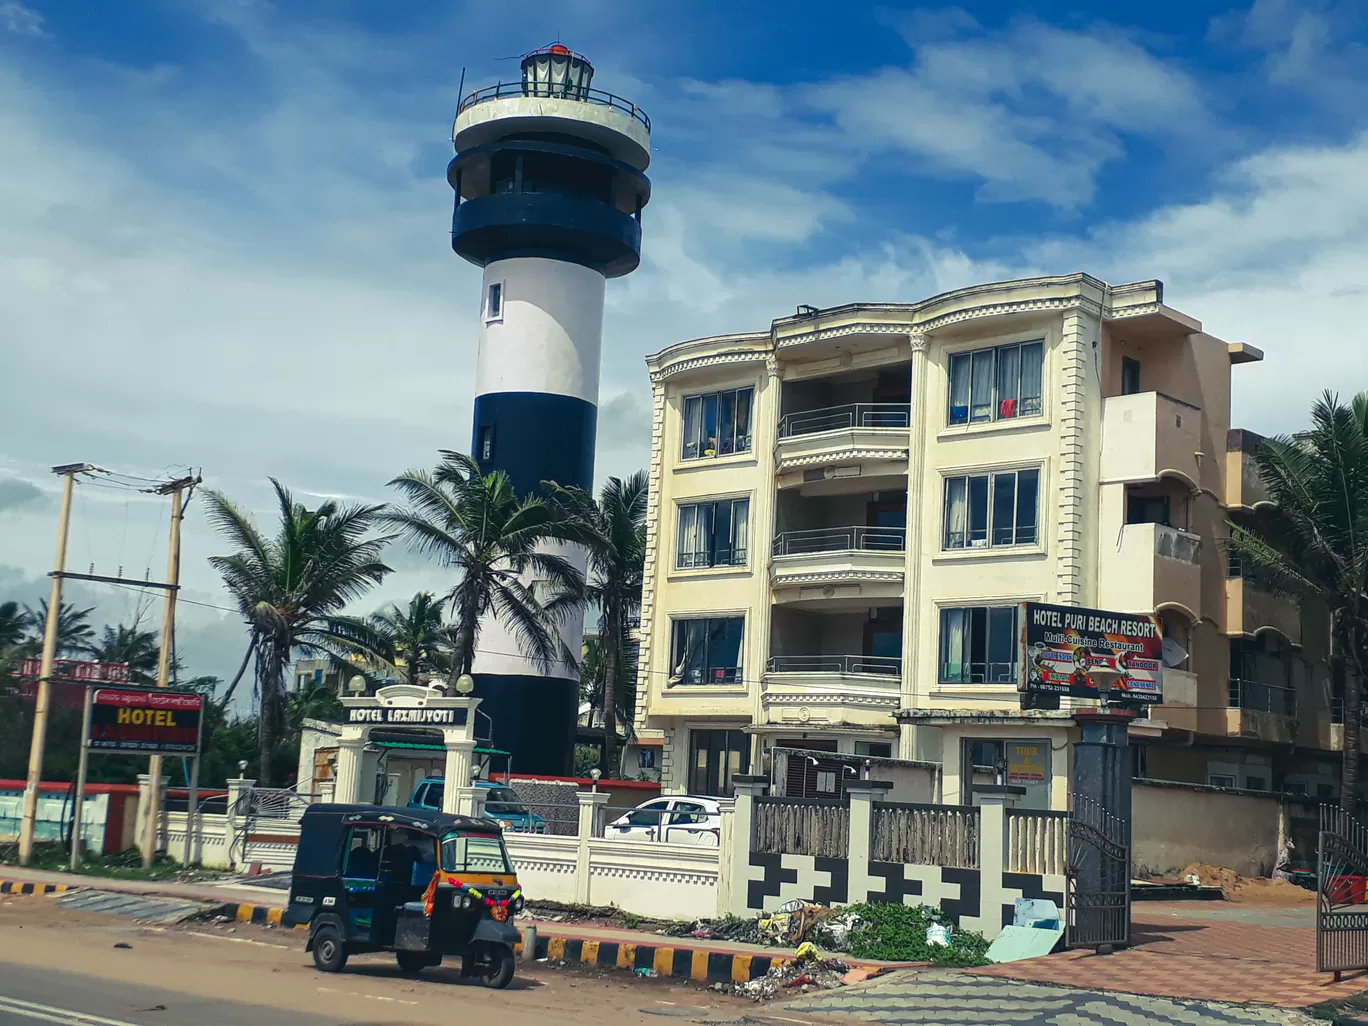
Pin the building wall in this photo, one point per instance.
(1176, 825)
(1172, 439)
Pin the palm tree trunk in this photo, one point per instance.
(1353, 720)
(271, 682)
(463, 640)
(612, 650)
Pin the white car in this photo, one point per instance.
(679, 819)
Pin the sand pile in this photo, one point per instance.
(1250, 890)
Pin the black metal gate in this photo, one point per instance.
(1341, 912)
(1098, 913)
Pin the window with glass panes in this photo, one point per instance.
(707, 650)
(1000, 383)
(717, 424)
(713, 533)
(999, 508)
(978, 645)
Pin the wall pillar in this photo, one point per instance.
(460, 767)
(726, 810)
(862, 794)
(470, 801)
(146, 809)
(591, 822)
(746, 788)
(347, 779)
(238, 790)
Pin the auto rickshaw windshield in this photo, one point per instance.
(474, 853)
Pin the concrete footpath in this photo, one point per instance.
(600, 946)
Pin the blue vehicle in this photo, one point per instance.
(502, 804)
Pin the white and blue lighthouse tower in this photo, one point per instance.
(550, 184)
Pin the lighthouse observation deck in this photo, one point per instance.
(550, 167)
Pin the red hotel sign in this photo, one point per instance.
(154, 722)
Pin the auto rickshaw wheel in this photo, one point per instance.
(491, 964)
(329, 950)
(413, 961)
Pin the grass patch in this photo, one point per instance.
(126, 865)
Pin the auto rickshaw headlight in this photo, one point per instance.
(517, 903)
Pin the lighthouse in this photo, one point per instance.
(550, 184)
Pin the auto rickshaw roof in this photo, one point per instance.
(423, 819)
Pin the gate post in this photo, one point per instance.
(1100, 865)
(862, 795)
(746, 788)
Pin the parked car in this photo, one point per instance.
(679, 819)
(502, 804)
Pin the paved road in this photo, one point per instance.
(943, 997)
(29, 995)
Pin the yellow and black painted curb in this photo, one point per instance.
(680, 963)
(262, 915)
(20, 887)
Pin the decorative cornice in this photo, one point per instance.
(890, 700)
(894, 453)
(696, 362)
(1058, 304)
(841, 331)
(789, 580)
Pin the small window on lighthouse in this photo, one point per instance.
(494, 302)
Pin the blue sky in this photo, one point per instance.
(223, 223)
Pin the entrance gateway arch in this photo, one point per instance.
(411, 705)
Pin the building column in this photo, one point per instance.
(911, 745)
(646, 681)
(1073, 365)
(761, 540)
(460, 763)
(863, 794)
(470, 801)
(747, 788)
(591, 822)
(726, 811)
(347, 780)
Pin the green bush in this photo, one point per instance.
(897, 933)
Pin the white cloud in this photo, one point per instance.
(988, 107)
(21, 20)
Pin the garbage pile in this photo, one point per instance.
(807, 972)
(888, 932)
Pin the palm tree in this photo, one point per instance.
(292, 588)
(478, 525)
(14, 626)
(613, 532)
(75, 635)
(1312, 541)
(140, 649)
(417, 635)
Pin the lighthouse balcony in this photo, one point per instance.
(559, 199)
(559, 227)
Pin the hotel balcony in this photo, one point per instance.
(813, 692)
(1148, 435)
(1249, 610)
(1267, 712)
(835, 565)
(1151, 565)
(856, 447)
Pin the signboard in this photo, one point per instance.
(409, 715)
(78, 670)
(1028, 763)
(154, 722)
(1065, 646)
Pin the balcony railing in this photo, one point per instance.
(841, 539)
(584, 94)
(1259, 697)
(852, 415)
(865, 665)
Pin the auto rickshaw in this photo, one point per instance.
(422, 884)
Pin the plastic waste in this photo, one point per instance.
(647, 972)
(805, 951)
(938, 935)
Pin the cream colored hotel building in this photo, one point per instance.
(847, 507)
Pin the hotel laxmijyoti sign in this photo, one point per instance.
(1065, 646)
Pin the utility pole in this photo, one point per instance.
(44, 695)
(175, 489)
